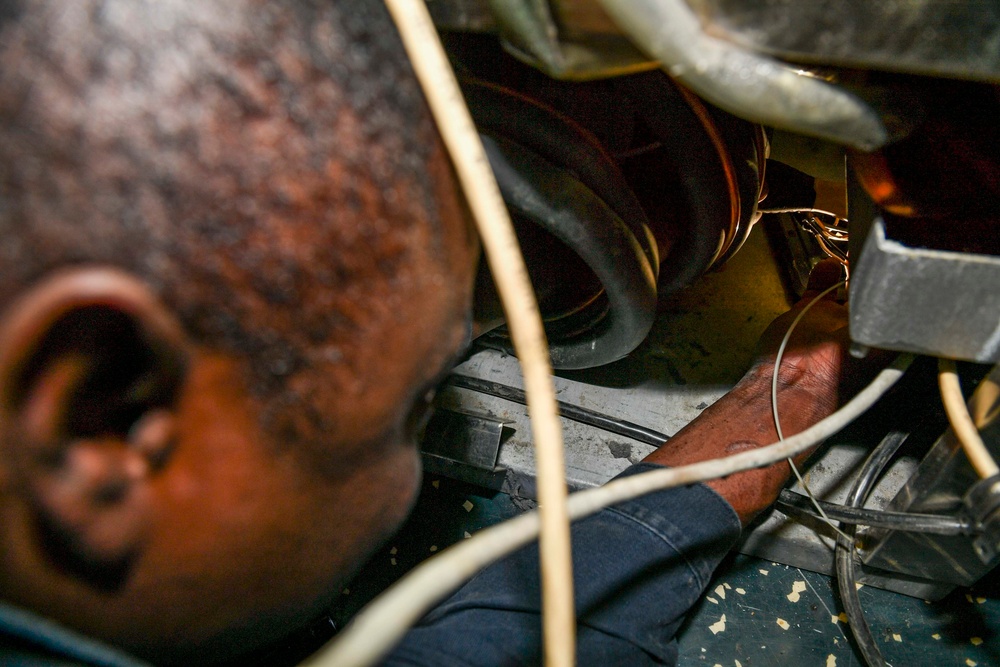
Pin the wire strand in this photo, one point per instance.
(774, 211)
(430, 63)
(381, 624)
(774, 400)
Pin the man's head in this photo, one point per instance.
(233, 259)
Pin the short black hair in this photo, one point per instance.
(208, 145)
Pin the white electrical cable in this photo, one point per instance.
(774, 402)
(380, 626)
(524, 322)
(961, 422)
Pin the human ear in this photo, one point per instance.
(90, 368)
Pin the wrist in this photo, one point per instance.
(804, 397)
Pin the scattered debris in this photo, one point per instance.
(468, 506)
(782, 623)
(764, 572)
(936, 636)
(720, 591)
(433, 548)
(467, 535)
(831, 660)
(741, 591)
(798, 587)
(392, 551)
(718, 626)
(896, 637)
(976, 641)
(711, 599)
(436, 484)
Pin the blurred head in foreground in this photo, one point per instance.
(233, 262)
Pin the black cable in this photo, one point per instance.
(572, 412)
(938, 524)
(862, 486)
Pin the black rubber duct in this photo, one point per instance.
(553, 199)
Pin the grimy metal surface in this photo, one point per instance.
(926, 301)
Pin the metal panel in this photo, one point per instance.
(926, 301)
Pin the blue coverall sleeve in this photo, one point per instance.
(638, 568)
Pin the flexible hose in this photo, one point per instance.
(524, 321)
(870, 471)
(791, 502)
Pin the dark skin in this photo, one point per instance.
(815, 374)
(156, 490)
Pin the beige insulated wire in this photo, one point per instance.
(961, 423)
(523, 318)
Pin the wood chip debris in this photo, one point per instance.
(798, 587)
(897, 637)
(718, 626)
(720, 591)
(831, 660)
(782, 623)
(764, 572)
(468, 506)
(741, 591)
(976, 641)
